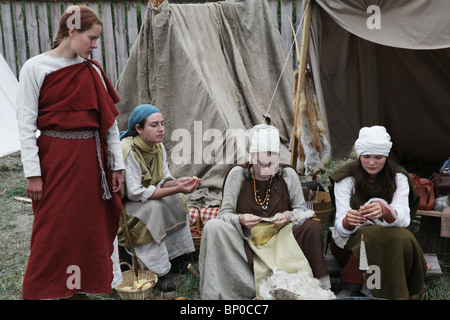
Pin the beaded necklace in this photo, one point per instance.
(264, 204)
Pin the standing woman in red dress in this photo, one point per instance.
(74, 168)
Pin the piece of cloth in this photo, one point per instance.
(373, 141)
(152, 220)
(157, 257)
(138, 114)
(389, 246)
(224, 60)
(150, 159)
(224, 271)
(394, 23)
(264, 138)
(281, 251)
(445, 223)
(71, 216)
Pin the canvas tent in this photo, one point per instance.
(9, 134)
(212, 69)
(388, 64)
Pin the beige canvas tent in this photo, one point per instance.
(213, 69)
(384, 62)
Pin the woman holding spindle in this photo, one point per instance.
(374, 197)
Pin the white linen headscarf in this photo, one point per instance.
(373, 140)
(264, 138)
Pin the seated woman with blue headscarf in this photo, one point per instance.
(153, 200)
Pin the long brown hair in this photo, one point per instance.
(88, 18)
(384, 186)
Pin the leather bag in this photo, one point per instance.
(425, 188)
(441, 183)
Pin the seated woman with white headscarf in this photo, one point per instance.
(374, 201)
(153, 200)
(263, 224)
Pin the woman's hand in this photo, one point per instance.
(355, 218)
(117, 181)
(249, 220)
(35, 187)
(372, 211)
(281, 219)
(188, 184)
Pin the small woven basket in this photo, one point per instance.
(129, 277)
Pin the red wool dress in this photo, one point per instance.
(74, 228)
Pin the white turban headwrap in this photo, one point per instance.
(264, 138)
(373, 140)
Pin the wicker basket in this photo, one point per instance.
(129, 277)
(323, 207)
(429, 237)
(196, 230)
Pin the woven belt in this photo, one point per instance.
(82, 135)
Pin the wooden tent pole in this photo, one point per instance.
(301, 80)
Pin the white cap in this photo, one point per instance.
(264, 138)
(373, 140)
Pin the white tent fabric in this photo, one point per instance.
(9, 133)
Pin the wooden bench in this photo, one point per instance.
(334, 268)
(429, 213)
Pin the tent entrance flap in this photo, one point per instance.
(405, 87)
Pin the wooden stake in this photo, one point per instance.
(301, 75)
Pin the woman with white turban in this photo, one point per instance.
(375, 198)
(263, 223)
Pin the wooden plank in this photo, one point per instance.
(109, 45)
(132, 24)
(55, 15)
(19, 28)
(435, 270)
(429, 213)
(144, 8)
(120, 33)
(32, 29)
(44, 27)
(8, 37)
(97, 54)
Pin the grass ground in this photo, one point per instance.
(15, 230)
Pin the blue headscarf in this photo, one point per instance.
(138, 114)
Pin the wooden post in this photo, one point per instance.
(301, 76)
